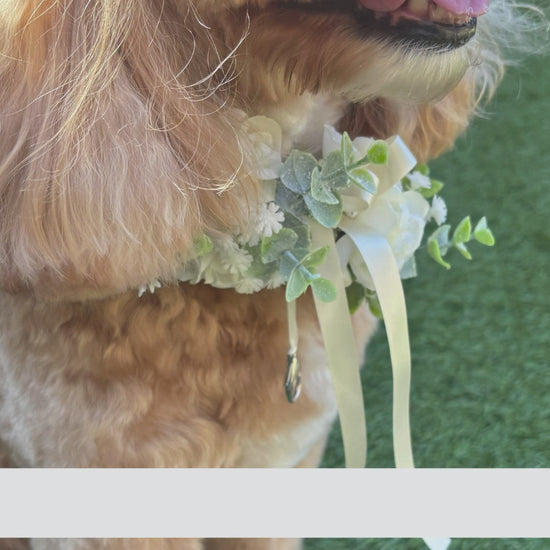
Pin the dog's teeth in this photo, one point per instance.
(418, 7)
(441, 15)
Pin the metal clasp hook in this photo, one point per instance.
(293, 381)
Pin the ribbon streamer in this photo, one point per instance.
(335, 323)
(379, 258)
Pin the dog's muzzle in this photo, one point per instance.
(434, 24)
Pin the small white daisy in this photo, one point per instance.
(249, 285)
(419, 181)
(438, 210)
(234, 259)
(275, 281)
(270, 219)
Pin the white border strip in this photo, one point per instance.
(274, 503)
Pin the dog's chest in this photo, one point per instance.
(190, 376)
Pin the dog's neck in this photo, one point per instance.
(303, 118)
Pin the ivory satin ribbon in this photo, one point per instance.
(337, 330)
(335, 323)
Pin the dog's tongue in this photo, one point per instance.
(472, 8)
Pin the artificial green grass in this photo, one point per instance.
(418, 544)
(480, 333)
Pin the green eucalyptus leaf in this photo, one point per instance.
(291, 259)
(287, 264)
(461, 247)
(202, 245)
(435, 187)
(296, 285)
(315, 258)
(355, 294)
(408, 271)
(438, 244)
(258, 269)
(333, 172)
(324, 289)
(289, 201)
(374, 304)
(346, 148)
(463, 231)
(434, 251)
(441, 235)
(378, 153)
(406, 183)
(272, 248)
(321, 190)
(297, 170)
(363, 178)
(328, 215)
(423, 168)
(300, 228)
(483, 234)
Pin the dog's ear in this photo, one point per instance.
(428, 130)
(117, 146)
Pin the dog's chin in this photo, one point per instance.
(409, 76)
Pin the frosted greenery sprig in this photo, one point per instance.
(440, 242)
(276, 247)
(310, 189)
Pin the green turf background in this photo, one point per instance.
(480, 333)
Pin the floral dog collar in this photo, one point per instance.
(348, 226)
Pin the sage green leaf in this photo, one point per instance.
(321, 190)
(346, 148)
(300, 228)
(289, 201)
(378, 153)
(441, 235)
(363, 178)
(374, 304)
(297, 170)
(328, 215)
(202, 245)
(324, 289)
(272, 248)
(333, 172)
(291, 259)
(355, 294)
(461, 247)
(315, 258)
(434, 251)
(408, 271)
(258, 269)
(296, 285)
(463, 231)
(483, 234)
(406, 183)
(423, 168)
(435, 187)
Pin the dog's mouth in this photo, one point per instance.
(435, 24)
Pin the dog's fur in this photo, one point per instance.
(121, 142)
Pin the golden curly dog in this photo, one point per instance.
(120, 143)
